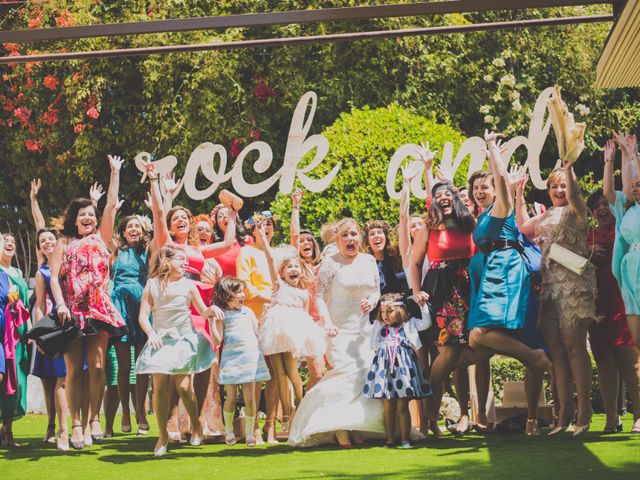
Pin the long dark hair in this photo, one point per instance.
(461, 214)
(391, 253)
(69, 228)
(217, 235)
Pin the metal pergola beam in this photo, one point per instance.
(277, 42)
(278, 18)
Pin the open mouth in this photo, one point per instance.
(351, 247)
(293, 276)
(307, 251)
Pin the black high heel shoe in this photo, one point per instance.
(617, 428)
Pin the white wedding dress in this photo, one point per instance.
(337, 402)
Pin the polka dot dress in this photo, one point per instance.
(395, 371)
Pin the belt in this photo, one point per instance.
(495, 245)
(192, 276)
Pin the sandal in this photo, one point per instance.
(230, 438)
(77, 444)
(62, 442)
(97, 437)
(532, 429)
(250, 440)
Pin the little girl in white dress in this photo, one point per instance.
(175, 350)
(288, 331)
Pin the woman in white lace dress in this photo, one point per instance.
(335, 409)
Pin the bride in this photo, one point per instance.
(336, 408)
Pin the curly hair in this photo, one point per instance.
(121, 241)
(390, 252)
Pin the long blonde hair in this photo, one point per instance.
(162, 266)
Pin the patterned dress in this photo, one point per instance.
(395, 371)
(242, 360)
(129, 278)
(566, 298)
(85, 283)
(184, 350)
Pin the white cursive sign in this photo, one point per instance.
(203, 158)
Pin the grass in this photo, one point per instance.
(474, 456)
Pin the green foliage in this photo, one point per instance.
(363, 141)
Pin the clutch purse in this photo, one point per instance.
(568, 259)
(51, 336)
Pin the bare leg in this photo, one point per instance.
(404, 419)
(282, 382)
(291, 367)
(48, 389)
(500, 341)
(96, 350)
(201, 385)
(161, 406)
(629, 363)
(608, 379)
(123, 354)
(443, 365)
(173, 424)
(248, 393)
(74, 360)
(561, 373)
(423, 358)
(389, 415)
(634, 327)
(271, 397)
(461, 382)
(483, 384)
(142, 386)
(184, 385)
(533, 378)
(316, 371)
(574, 340)
(111, 402)
(62, 409)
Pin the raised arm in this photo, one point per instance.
(628, 145)
(608, 185)
(503, 203)
(273, 272)
(294, 226)
(171, 190)
(36, 213)
(109, 213)
(161, 235)
(576, 201)
(404, 236)
(427, 157)
(419, 251)
(218, 248)
(56, 289)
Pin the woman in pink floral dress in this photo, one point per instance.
(79, 281)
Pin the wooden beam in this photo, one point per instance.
(279, 18)
(279, 42)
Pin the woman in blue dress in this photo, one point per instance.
(130, 271)
(50, 370)
(498, 272)
(626, 249)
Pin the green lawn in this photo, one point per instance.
(474, 457)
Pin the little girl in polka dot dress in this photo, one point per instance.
(395, 375)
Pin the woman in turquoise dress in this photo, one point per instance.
(13, 388)
(626, 208)
(130, 271)
(498, 272)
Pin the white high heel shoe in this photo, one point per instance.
(160, 451)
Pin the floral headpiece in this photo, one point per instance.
(258, 217)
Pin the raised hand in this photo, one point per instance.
(147, 201)
(609, 151)
(521, 183)
(119, 204)
(426, 155)
(115, 162)
(515, 176)
(410, 172)
(296, 196)
(96, 192)
(492, 138)
(172, 187)
(444, 173)
(35, 188)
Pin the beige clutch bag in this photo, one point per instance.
(568, 259)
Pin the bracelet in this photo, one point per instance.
(155, 179)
